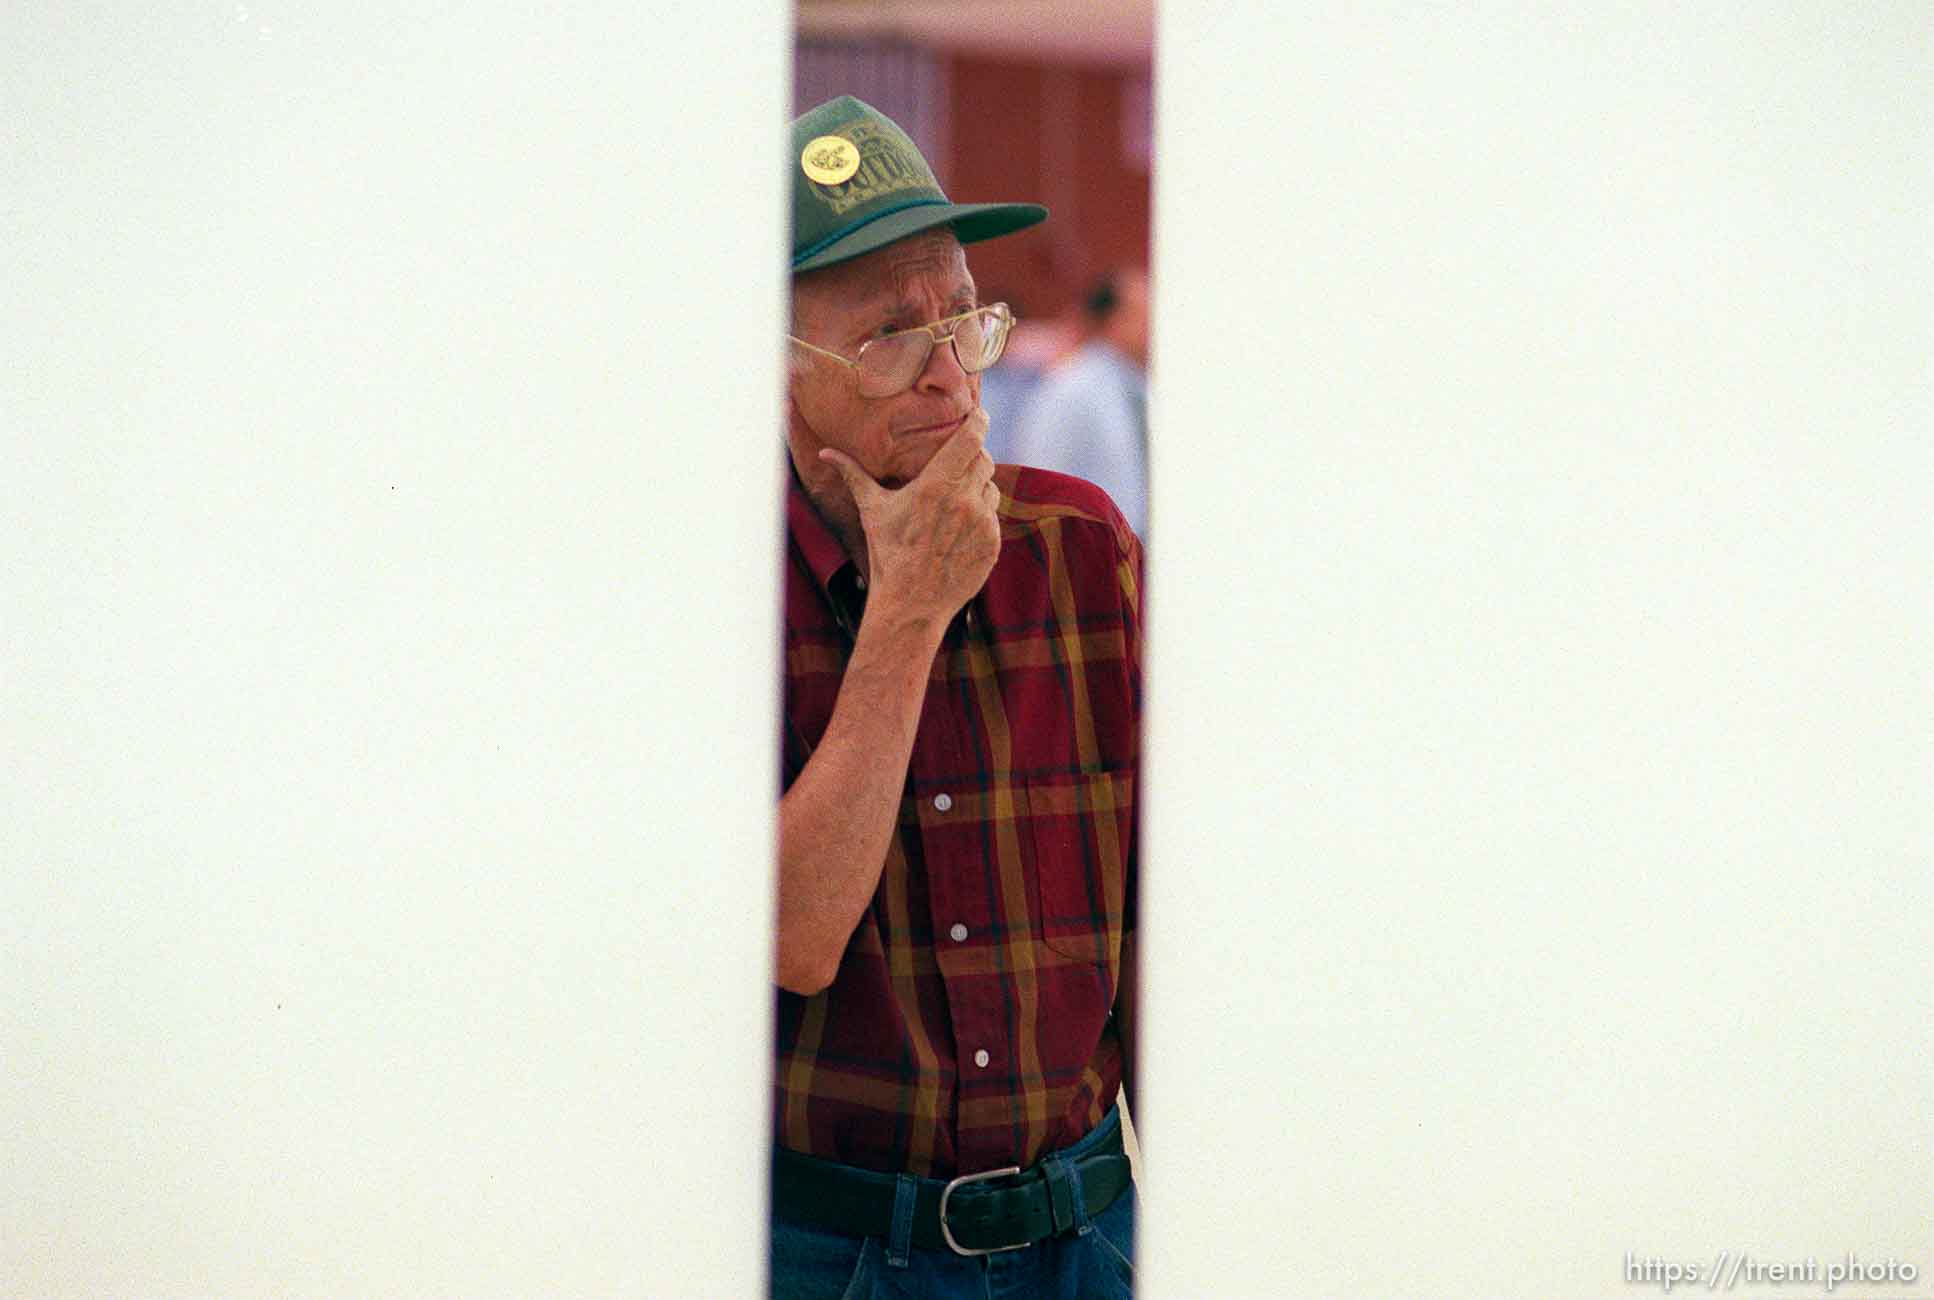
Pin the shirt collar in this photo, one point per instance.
(818, 545)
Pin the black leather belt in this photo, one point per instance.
(975, 1214)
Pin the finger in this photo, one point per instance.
(981, 469)
(862, 485)
(958, 452)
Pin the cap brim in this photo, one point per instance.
(972, 222)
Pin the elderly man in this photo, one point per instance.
(956, 917)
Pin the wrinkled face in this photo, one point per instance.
(920, 279)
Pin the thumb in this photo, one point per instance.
(862, 485)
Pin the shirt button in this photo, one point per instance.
(859, 580)
(980, 1058)
(958, 934)
(942, 802)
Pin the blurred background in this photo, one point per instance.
(1044, 101)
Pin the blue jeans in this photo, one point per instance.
(1092, 1262)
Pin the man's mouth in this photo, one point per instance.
(943, 426)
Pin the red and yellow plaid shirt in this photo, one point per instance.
(968, 1027)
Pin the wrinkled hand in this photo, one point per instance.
(930, 544)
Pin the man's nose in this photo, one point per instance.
(943, 372)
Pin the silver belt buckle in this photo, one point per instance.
(948, 1191)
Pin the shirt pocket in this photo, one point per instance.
(1081, 828)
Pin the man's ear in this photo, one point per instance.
(794, 417)
(797, 362)
(798, 435)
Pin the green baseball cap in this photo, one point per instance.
(858, 184)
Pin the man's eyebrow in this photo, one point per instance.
(960, 299)
(885, 306)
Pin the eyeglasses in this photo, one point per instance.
(889, 364)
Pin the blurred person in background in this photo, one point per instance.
(1088, 415)
(956, 925)
(1034, 347)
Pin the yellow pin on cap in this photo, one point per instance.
(829, 159)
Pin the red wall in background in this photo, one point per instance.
(1053, 134)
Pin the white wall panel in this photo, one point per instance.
(387, 561)
(1538, 846)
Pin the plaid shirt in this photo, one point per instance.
(998, 921)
